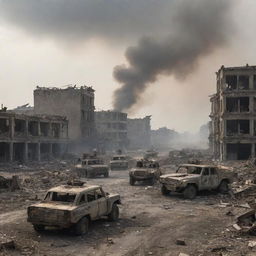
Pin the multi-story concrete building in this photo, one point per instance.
(139, 133)
(32, 138)
(233, 114)
(111, 129)
(77, 104)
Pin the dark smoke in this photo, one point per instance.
(199, 27)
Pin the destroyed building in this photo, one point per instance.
(139, 133)
(75, 103)
(111, 129)
(233, 114)
(32, 138)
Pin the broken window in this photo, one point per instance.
(232, 127)
(231, 82)
(238, 151)
(56, 130)
(232, 104)
(254, 82)
(45, 150)
(19, 152)
(4, 151)
(32, 151)
(244, 126)
(243, 82)
(44, 128)
(19, 127)
(56, 150)
(4, 125)
(244, 104)
(33, 128)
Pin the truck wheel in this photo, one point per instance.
(39, 228)
(114, 214)
(190, 192)
(106, 175)
(223, 187)
(132, 181)
(82, 226)
(164, 190)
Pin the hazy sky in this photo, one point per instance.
(60, 42)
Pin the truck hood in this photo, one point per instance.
(54, 206)
(179, 176)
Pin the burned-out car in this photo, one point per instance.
(73, 206)
(190, 178)
(145, 170)
(150, 154)
(119, 162)
(90, 168)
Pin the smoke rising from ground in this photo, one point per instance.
(197, 29)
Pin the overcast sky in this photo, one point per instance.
(60, 42)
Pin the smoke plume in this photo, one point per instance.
(198, 28)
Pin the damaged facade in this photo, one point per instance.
(111, 129)
(32, 138)
(233, 114)
(139, 133)
(75, 103)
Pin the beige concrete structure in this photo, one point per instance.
(233, 114)
(111, 129)
(76, 103)
(139, 133)
(32, 138)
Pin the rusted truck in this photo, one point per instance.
(190, 178)
(145, 170)
(119, 162)
(92, 167)
(73, 206)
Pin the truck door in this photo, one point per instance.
(92, 204)
(102, 202)
(214, 179)
(205, 178)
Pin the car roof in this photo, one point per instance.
(198, 165)
(74, 189)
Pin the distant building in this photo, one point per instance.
(233, 114)
(32, 137)
(139, 133)
(111, 129)
(76, 103)
(162, 138)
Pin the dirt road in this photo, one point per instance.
(150, 224)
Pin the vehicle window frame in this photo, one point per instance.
(213, 171)
(204, 170)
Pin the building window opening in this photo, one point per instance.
(232, 127)
(44, 128)
(33, 128)
(231, 82)
(244, 126)
(244, 104)
(243, 82)
(32, 151)
(4, 152)
(232, 104)
(4, 126)
(20, 127)
(238, 151)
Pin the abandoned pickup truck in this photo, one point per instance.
(119, 162)
(91, 168)
(73, 206)
(191, 178)
(145, 171)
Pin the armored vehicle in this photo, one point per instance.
(145, 170)
(73, 206)
(119, 162)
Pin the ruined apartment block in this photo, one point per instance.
(112, 129)
(32, 138)
(76, 103)
(139, 133)
(233, 114)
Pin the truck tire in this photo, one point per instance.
(190, 192)
(82, 226)
(38, 228)
(114, 214)
(132, 181)
(223, 187)
(164, 190)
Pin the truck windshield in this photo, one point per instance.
(115, 158)
(189, 169)
(60, 197)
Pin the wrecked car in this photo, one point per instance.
(119, 162)
(73, 206)
(150, 154)
(90, 168)
(191, 178)
(145, 170)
